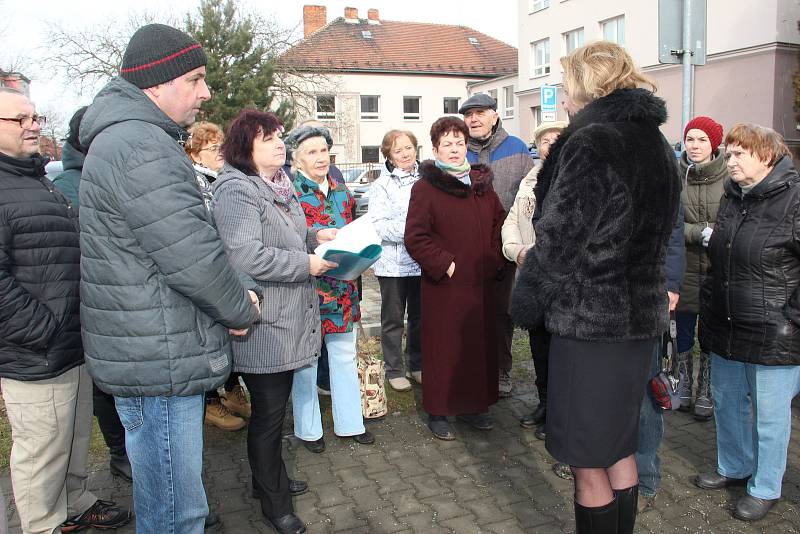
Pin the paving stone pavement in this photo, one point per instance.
(485, 482)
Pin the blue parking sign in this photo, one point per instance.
(549, 95)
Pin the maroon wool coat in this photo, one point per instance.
(450, 221)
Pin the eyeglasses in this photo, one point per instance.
(27, 122)
(212, 148)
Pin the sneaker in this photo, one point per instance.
(416, 376)
(400, 383)
(505, 386)
(562, 470)
(221, 417)
(236, 401)
(101, 515)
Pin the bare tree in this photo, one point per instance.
(93, 54)
(87, 56)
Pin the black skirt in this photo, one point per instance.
(595, 390)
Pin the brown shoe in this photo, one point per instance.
(236, 401)
(221, 417)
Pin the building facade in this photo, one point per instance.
(504, 91)
(377, 75)
(752, 48)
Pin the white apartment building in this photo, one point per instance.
(752, 48)
(504, 91)
(384, 75)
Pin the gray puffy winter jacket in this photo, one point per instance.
(157, 292)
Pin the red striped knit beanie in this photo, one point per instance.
(712, 129)
(158, 53)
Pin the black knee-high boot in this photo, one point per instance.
(598, 519)
(627, 500)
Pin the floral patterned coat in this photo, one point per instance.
(338, 299)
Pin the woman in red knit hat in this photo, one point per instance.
(702, 170)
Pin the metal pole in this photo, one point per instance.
(687, 67)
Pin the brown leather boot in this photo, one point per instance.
(221, 417)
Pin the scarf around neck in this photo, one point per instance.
(458, 171)
(280, 185)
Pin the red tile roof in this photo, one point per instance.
(402, 47)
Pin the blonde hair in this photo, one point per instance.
(764, 143)
(389, 139)
(597, 69)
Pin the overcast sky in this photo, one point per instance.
(23, 31)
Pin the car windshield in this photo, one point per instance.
(351, 175)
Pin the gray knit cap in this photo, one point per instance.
(158, 53)
(298, 135)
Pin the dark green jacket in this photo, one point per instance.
(702, 190)
(69, 181)
(157, 292)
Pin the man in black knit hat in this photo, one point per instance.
(158, 297)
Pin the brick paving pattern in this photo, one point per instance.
(485, 482)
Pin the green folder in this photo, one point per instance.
(351, 264)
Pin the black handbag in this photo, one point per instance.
(665, 386)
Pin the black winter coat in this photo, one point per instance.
(40, 331)
(609, 194)
(750, 300)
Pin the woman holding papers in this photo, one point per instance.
(265, 235)
(397, 273)
(327, 204)
(453, 232)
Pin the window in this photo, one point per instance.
(540, 52)
(411, 108)
(573, 40)
(369, 154)
(508, 101)
(493, 94)
(614, 30)
(366, 34)
(326, 107)
(473, 41)
(538, 5)
(536, 111)
(369, 107)
(451, 105)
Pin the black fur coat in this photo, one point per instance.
(608, 195)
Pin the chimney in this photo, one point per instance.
(372, 15)
(314, 18)
(350, 14)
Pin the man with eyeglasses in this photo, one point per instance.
(158, 296)
(45, 384)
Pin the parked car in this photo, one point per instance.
(358, 180)
(53, 169)
(361, 194)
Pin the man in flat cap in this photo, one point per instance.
(158, 296)
(510, 162)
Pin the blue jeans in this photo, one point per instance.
(345, 392)
(651, 431)
(753, 442)
(164, 439)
